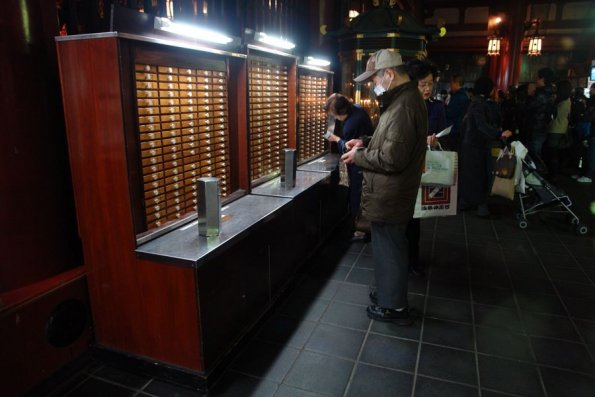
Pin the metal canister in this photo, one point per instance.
(288, 167)
(208, 206)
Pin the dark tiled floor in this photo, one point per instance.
(504, 312)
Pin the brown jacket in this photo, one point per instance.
(393, 159)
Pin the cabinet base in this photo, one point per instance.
(153, 369)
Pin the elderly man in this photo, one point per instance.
(392, 161)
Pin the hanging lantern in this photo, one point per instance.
(494, 46)
(535, 39)
(534, 48)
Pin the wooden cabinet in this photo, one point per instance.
(233, 291)
(314, 87)
(144, 121)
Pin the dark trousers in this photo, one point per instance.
(391, 267)
(536, 150)
(551, 153)
(413, 233)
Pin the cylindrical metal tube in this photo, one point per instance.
(208, 207)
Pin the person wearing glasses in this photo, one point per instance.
(423, 72)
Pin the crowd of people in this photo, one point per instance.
(385, 163)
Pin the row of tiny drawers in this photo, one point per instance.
(311, 92)
(157, 189)
(172, 78)
(175, 70)
(171, 153)
(203, 126)
(192, 164)
(160, 203)
(181, 117)
(183, 141)
(169, 114)
(263, 170)
(312, 126)
(180, 94)
(208, 103)
(177, 86)
(187, 134)
(188, 163)
(168, 185)
(163, 194)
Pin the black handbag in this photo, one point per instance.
(505, 163)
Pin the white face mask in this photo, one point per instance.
(379, 89)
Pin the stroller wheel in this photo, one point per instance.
(522, 224)
(581, 229)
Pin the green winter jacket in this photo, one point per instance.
(393, 159)
(559, 124)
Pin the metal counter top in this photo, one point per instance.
(326, 163)
(183, 246)
(303, 181)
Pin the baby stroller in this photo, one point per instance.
(541, 196)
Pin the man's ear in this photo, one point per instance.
(391, 73)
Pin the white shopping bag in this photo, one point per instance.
(440, 168)
(519, 178)
(436, 201)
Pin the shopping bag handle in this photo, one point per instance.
(438, 147)
(504, 142)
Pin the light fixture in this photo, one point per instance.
(311, 61)
(273, 41)
(496, 31)
(191, 31)
(534, 48)
(535, 39)
(353, 14)
(494, 46)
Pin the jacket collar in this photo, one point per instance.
(389, 96)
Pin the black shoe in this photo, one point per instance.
(483, 211)
(364, 238)
(399, 317)
(357, 239)
(463, 206)
(373, 297)
(417, 271)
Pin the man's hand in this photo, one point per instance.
(354, 143)
(348, 157)
(432, 140)
(333, 138)
(506, 134)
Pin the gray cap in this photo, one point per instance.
(379, 60)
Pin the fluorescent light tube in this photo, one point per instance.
(317, 61)
(274, 41)
(191, 31)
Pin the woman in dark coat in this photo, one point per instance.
(481, 126)
(356, 123)
(424, 72)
